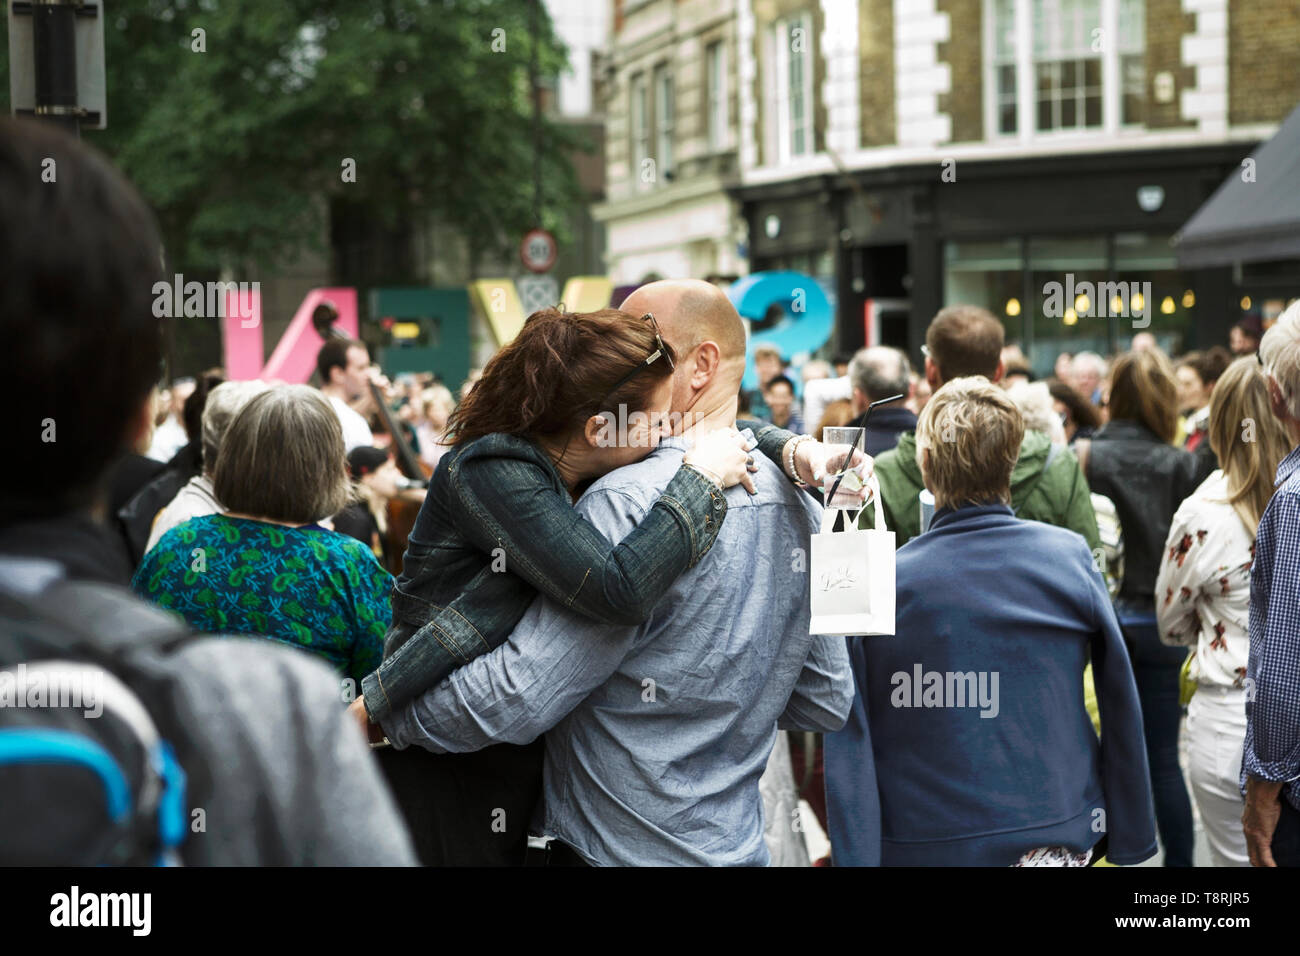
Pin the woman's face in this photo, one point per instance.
(383, 480)
(1191, 392)
(436, 413)
(618, 442)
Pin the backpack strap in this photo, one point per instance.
(154, 821)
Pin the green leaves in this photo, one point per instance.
(237, 147)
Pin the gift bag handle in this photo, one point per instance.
(873, 487)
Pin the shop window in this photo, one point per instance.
(988, 274)
(1057, 294)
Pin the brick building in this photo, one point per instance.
(908, 153)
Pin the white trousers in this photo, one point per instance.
(1216, 732)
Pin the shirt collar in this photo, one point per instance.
(1288, 467)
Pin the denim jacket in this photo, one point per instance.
(497, 504)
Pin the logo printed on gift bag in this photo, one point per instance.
(839, 577)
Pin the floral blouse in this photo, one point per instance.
(1203, 588)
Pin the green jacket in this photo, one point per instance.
(1055, 493)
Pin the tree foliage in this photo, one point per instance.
(235, 134)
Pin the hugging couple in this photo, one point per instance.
(597, 642)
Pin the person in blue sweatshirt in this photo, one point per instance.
(968, 743)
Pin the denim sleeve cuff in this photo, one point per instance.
(374, 698)
(417, 666)
(699, 505)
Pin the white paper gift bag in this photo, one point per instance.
(852, 574)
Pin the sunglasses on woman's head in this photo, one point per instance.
(660, 351)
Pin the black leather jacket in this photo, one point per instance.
(1147, 479)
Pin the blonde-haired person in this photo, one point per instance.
(1203, 594)
(1133, 462)
(431, 427)
(984, 754)
(1036, 407)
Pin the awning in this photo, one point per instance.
(1250, 221)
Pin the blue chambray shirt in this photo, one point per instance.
(658, 733)
(1272, 748)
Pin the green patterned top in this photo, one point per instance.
(308, 587)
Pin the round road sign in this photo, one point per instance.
(538, 250)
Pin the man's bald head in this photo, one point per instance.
(691, 312)
(700, 323)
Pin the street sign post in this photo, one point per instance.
(537, 292)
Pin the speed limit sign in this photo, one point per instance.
(538, 250)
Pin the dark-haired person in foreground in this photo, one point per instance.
(660, 724)
(969, 743)
(282, 776)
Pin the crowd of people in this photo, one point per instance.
(1164, 468)
(594, 645)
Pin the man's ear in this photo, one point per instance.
(139, 427)
(1277, 400)
(707, 359)
(932, 374)
(860, 401)
(999, 372)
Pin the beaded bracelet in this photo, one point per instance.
(793, 445)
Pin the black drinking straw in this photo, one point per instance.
(830, 495)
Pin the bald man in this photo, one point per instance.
(698, 320)
(657, 734)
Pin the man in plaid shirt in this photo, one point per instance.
(1270, 772)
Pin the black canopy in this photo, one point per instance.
(1250, 221)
